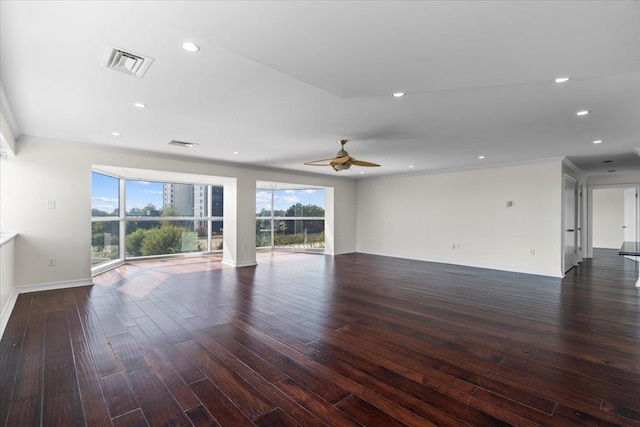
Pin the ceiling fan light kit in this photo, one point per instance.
(342, 160)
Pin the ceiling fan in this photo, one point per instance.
(341, 161)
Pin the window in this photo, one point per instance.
(105, 225)
(159, 218)
(290, 218)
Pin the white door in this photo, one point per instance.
(630, 232)
(579, 213)
(570, 199)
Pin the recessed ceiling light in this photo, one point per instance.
(115, 133)
(561, 79)
(597, 141)
(190, 47)
(361, 173)
(481, 157)
(140, 105)
(235, 152)
(410, 166)
(583, 112)
(398, 94)
(183, 144)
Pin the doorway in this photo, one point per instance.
(614, 217)
(570, 201)
(630, 217)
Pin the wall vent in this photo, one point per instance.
(183, 144)
(130, 63)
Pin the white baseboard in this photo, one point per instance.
(342, 252)
(231, 263)
(8, 308)
(511, 269)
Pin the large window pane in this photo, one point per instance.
(148, 198)
(144, 198)
(263, 233)
(151, 223)
(292, 203)
(305, 234)
(104, 195)
(216, 235)
(217, 201)
(283, 218)
(147, 238)
(299, 203)
(104, 242)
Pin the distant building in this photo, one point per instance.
(180, 196)
(192, 200)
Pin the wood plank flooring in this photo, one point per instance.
(310, 340)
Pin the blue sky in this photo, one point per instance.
(283, 199)
(104, 193)
(140, 193)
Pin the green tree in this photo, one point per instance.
(164, 240)
(98, 212)
(307, 210)
(149, 210)
(170, 211)
(134, 242)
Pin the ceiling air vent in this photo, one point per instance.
(183, 144)
(130, 63)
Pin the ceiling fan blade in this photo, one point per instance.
(363, 163)
(319, 162)
(342, 161)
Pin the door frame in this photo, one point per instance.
(565, 178)
(588, 253)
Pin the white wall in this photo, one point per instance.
(62, 172)
(421, 217)
(7, 251)
(608, 218)
(7, 138)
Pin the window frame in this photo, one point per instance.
(122, 218)
(273, 219)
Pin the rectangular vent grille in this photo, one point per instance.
(183, 144)
(129, 63)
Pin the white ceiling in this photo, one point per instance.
(281, 82)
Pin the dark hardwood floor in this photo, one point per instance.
(311, 340)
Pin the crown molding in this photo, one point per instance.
(5, 107)
(169, 156)
(573, 167)
(557, 160)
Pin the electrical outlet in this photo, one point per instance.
(532, 252)
(51, 204)
(51, 261)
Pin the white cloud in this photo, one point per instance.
(152, 191)
(291, 200)
(309, 191)
(290, 191)
(263, 200)
(105, 208)
(105, 199)
(142, 182)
